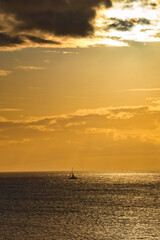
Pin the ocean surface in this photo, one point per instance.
(96, 206)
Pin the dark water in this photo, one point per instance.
(113, 206)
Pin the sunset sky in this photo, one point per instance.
(79, 85)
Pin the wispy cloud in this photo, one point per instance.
(140, 90)
(10, 110)
(36, 88)
(47, 61)
(2, 119)
(13, 141)
(28, 68)
(4, 73)
(109, 117)
(62, 52)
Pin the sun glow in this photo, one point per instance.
(127, 22)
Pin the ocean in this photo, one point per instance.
(96, 206)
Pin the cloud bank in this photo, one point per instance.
(129, 121)
(127, 136)
(39, 22)
(72, 23)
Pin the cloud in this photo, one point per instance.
(124, 118)
(127, 24)
(130, 22)
(62, 52)
(10, 110)
(75, 124)
(41, 21)
(40, 40)
(109, 133)
(154, 100)
(59, 17)
(110, 112)
(41, 128)
(124, 134)
(72, 23)
(9, 41)
(141, 90)
(8, 142)
(2, 119)
(28, 68)
(4, 73)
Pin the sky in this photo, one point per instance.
(79, 85)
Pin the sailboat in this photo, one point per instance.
(72, 176)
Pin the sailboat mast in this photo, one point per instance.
(72, 175)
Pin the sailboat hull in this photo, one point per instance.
(73, 177)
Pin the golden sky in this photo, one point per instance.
(79, 85)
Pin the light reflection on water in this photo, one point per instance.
(99, 205)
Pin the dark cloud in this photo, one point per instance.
(40, 40)
(144, 21)
(6, 40)
(63, 23)
(60, 17)
(121, 25)
(126, 25)
(153, 4)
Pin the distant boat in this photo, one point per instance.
(72, 176)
